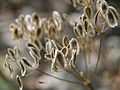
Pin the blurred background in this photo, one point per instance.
(108, 73)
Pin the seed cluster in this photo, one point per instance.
(31, 28)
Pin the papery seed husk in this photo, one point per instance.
(26, 62)
(19, 81)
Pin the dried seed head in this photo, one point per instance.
(19, 81)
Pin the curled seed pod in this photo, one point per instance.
(103, 7)
(11, 53)
(38, 44)
(19, 81)
(85, 25)
(99, 22)
(52, 31)
(88, 12)
(23, 68)
(36, 59)
(35, 52)
(65, 41)
(61, 59)
(57, 20)
(111, 17)
(91, 31)
(48, 46)
(38, 32)
(35, 19)
(74, 45)
(26, 61)
(64, 50)
(73, 59)
(32, 45)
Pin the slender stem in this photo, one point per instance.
(84, 80)
(85, 59)
(98, 59)
(58, 77)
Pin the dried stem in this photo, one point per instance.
(98, 59)
(58, 77)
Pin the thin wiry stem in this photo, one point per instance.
(58, 77)
(84, 80)
(98, 59)
(85, 59)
